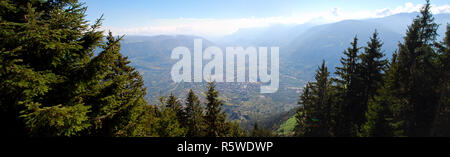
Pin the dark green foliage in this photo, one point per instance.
(349, 106)
(168, 124)
(378, 116)
(303, 115)
(441, 121)
(159, 122)
(416, 78)
(408, 97)
(174, 104)
(214, 116)
(194, 115)
(373, 67)
(314, 116)
(51, 85)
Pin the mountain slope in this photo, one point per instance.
(151, 57)
(276, 35)
(302, 48)
(327, 42)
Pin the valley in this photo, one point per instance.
(302, 48)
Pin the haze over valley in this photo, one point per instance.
(302, 48)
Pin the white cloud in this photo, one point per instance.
(441, 9)
(207, 27)
(220, 27)
(410, 7)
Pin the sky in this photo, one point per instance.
(215, 18)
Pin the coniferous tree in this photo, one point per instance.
(168, 124)
(174, 104)
(378, 116)
(120, 94)
(214, 116)
(416, 78)
(34, 61)
(194, 115)
(441, 121)
(314, 117)
(322, 89)
(52, 84)
(159, 121)
(349, 107)
(372, 70)
(380, 108)
(304, 113)
(146, 122)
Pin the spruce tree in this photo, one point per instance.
(168, 124)
(214, 116)
(194, 115)
(441, 121)
(379, 116)
(416, 78)
(147, 122)
(37, 61)
(121, 94)
(159, 121)
(372, 71)
(372, 68)
(303, 113)
(52, 84)
(322, 91)
(314, 117)
(174, 104)
(350, 109)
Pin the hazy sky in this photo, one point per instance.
(222, 17)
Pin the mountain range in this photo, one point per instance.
(302, 48)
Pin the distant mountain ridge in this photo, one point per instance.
(302, 48)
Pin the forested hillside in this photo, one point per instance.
(54, 82)
(370, 96)
(301, 48)
(62, 75)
